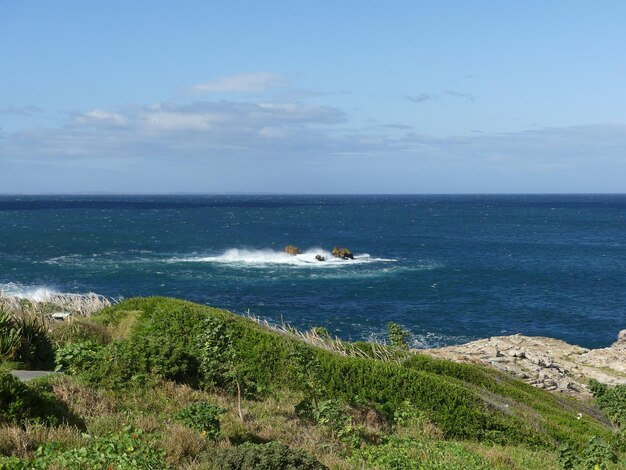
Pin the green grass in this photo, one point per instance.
(410, 411)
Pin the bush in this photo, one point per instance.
(398, 336)
(20, 403)
(202, 417)
(611, 400)
(270, 456)
(25, 340)
(76, 357)
(597, 454)
(126, 450)
(402, 453)
(162, 342)
(125, 362)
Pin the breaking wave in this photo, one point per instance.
(239, 256)
(34, 293)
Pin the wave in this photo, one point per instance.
(260, 258)
(34, 293)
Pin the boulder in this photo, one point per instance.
(343, 253)
(320, 258)
(292, 250)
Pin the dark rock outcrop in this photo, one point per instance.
(320, 258)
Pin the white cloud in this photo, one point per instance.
(243, 83)
(97, 116)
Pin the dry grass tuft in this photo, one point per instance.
(312, 337)
(82, 399)
(23, 441)
(182, 445)
(76, 304)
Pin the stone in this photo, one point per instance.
(343, 253)
(546, 363)
(320, 258)
(292, 250)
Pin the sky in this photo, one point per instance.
(313, 97)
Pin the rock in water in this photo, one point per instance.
(343, 253)
(292, 250)
(320, 258)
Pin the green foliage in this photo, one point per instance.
(218, 357)
(398, 336)
(401, 453)
(126, 450)
(162, 343)
(270, 456)
(132, 361)
(321, 331)
(597, 454)
(307, 372)
(77, 329)
(611, 400)
(463, 401)
(20, 403)
(76, 357)
(202, 417)
(331, 415)
(407, 414)
(25, 340)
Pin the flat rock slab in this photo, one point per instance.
(546, 363)
(26, 375)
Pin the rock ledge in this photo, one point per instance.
(547, 363)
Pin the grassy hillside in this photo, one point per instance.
(189, 386)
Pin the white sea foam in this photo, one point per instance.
(34, 293)
(240, 256)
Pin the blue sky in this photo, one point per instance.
(313, 97)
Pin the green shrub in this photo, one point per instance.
(36, 347)
(202, 417)
(217, 355)
(270, 456)
(611, 400)
(398, 336)
(463, 401)
(126, 450)
(133, 361)
(162, 342)
(596, 454)
(25, 339)
(20, 403)
(402, 453)
(76, 357)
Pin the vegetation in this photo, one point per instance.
(163, 383)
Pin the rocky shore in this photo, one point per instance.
(547, 363)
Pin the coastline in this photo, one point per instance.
(543, 362)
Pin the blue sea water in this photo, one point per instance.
(449, 268)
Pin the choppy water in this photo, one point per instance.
(449, 268)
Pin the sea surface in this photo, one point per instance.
(449, 268)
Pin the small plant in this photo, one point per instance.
(270, 456)
(398, 336)
(307, 373)
(202, 417)
(218, 357)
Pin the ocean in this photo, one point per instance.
(450, 269)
